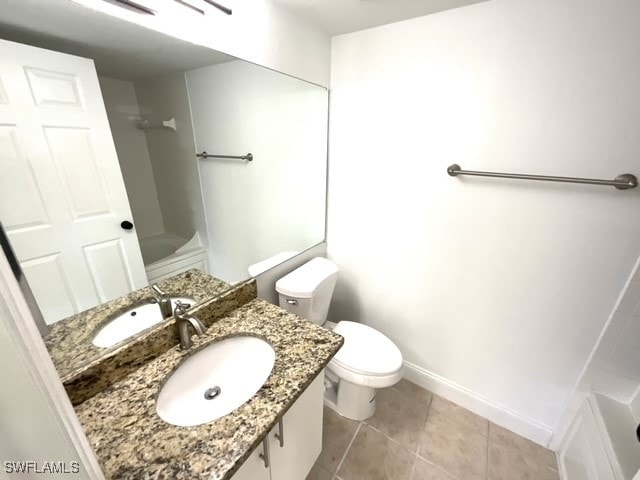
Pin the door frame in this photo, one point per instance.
(39, 371)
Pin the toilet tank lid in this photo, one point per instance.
(304, 280)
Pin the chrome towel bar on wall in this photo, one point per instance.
(248, 157)
(621, 182)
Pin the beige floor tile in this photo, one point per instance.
(337, 433)
(532, 450)
(373, 456)
(318, 472)
(454, 446)
(423, 470)
(508, 464)
(461, 415)
(414, 391)
(401, 417)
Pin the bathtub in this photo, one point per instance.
(166, 255)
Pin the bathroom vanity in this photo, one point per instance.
(293, 445)
(276, 434)
(70, 341)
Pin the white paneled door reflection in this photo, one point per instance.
(62, 197)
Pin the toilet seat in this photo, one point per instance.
(367, 357)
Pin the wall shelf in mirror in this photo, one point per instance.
(146, 125)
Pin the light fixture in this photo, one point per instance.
(131, 5)
(139, 6)
(198, 4)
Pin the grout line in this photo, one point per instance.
(459, 422)
(454, 420)
(517, 450)
(393, 440)
(522, 454)
(438, 467)
(486, 469)
(409, 395)
(347, 449)
(402, 445)
(413, 469)
(424, 426)
(397, 442)
(418, 456)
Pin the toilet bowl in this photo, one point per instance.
(367, 361)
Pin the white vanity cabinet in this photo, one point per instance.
(294, 444)
(253, 468)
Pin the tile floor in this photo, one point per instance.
(416, 435)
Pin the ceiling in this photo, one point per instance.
(123, 50)
(336, 17)
(119, 48)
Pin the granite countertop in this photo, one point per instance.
(132, 442)
(70, 340)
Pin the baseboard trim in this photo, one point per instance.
(477, 404)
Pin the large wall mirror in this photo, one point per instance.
(105, 186)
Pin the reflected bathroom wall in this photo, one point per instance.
(175, 168)
(123, 111)
(272, 207)
(159, 171)
(230, 214)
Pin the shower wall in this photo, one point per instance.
(175, 168)
(135, 163)
(596, 437)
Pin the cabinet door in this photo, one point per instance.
(302, 435)
(253, 468)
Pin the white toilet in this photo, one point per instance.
(368, 360)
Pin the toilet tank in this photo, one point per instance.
(307, 290)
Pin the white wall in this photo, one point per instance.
(495, 291)
(173, 154)
(275, 203)
(123, 112)
(260, 31)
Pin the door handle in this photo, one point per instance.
(127, 225)
(265, 456)
(280, 435)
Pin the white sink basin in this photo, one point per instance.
(133, 321)
(215, 381)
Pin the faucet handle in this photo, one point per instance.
(180, 307)
(158, 290)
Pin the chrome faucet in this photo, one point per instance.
(184, 320)
(164, 302)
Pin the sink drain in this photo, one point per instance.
(211, 393)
